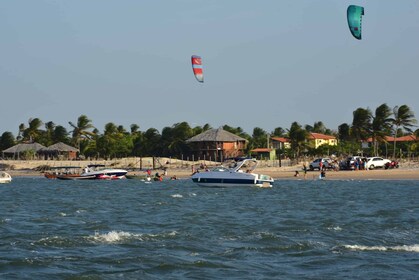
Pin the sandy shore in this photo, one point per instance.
(405, 172)
(287, 174)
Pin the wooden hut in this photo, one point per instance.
(18, 150)
(216, 145)
(60, 150)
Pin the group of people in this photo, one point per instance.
(158, 176)
(322, 172)
(202, 166)
(359, 164)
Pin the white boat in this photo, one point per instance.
(99, 171)
(233, 173)
(5, 177)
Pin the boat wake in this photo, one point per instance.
(403, 248)
(122, 237)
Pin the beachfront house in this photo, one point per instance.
(405, 144)
(315, 140)
(216, 145)
(280, 143)
(264, 153)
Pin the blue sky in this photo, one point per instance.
(266, 63)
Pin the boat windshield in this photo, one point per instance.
(220, 169)
(240, 165)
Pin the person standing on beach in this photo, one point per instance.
(305, 170)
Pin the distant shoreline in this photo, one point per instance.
(183, 170)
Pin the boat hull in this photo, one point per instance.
(5, 178)
(75, 177)
(109, 177)
(230, 180)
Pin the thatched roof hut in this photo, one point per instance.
(60, 149)
(22, 148)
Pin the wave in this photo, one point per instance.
(56, 241)
(404, 248)
(122, 237)
(177, 195)
(3, 221)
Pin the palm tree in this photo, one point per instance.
(236, 130)
(403, 118)
(22, 128)
(344, 132)
(278, 132)
(173, 139)
(6, 140)
(81, 130)
(381, 125)
(319, 127)
(60, 134)
(49, 130)
(361, 124)
(33, 131)
(297, 136)
(259, 138)
(135, 128)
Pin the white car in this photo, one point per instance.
(315, 164)
(377, 162)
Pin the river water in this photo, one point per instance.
(127, 229)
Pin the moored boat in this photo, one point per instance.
(61, 172)
(5, 178)
(74, 177)
(101, 172)
(233, 173)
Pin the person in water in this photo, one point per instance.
(158, 177)
(323, 174)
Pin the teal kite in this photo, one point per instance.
(354, 15)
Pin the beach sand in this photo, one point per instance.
(407, 171)
(282, 174)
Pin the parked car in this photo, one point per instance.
(349, 163)
(377, 162)
(315, 164)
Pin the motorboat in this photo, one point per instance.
(5, 178)
(75, 177)
(62, 172)
(100, 171)
(234, 172)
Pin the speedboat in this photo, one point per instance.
(233, 173)
(5, 177)
(62, 172)
(99, 171)
(75, 177)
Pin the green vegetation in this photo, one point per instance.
(116, 141)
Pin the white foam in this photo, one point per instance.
(113, 236)
(122, 236)
(404, 248)
(336, 228)
(177, 195)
